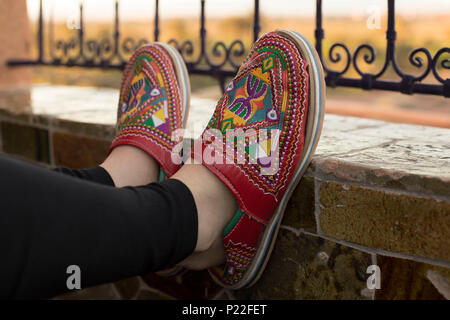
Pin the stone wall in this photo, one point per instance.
(376, 193)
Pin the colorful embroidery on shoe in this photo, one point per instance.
(151, 106)
(269, 92)
(256, 99)
(148, 89)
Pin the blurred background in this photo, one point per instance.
(352, 22)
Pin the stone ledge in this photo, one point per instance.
(376, 153)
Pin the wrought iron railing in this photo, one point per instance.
(221, 62)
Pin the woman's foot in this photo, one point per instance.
(153, 106)
(257, 145)
(213, 256)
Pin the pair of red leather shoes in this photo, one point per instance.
(259, 140)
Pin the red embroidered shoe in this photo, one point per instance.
(154, 102)
(259, 142)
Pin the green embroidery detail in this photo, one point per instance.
(278, 53)
(260, 85)
(243, 112)
(149, 122)
(226, 124)
(252, 81)
(236, 106)
(252, 150)
(233, 221)
(138, 64)
(162, 175)
(138, 68)
(267, 64)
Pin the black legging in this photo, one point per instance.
(49, 221)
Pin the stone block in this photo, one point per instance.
(77, 151)
(305, 267)
(25, 141)
(407, 280)
(300, 208)
(387, 220)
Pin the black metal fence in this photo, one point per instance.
(221, 62)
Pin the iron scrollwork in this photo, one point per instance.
(223, 60)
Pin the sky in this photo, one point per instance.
(103, 10)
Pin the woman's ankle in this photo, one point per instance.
(130, 166)
(215, 203)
